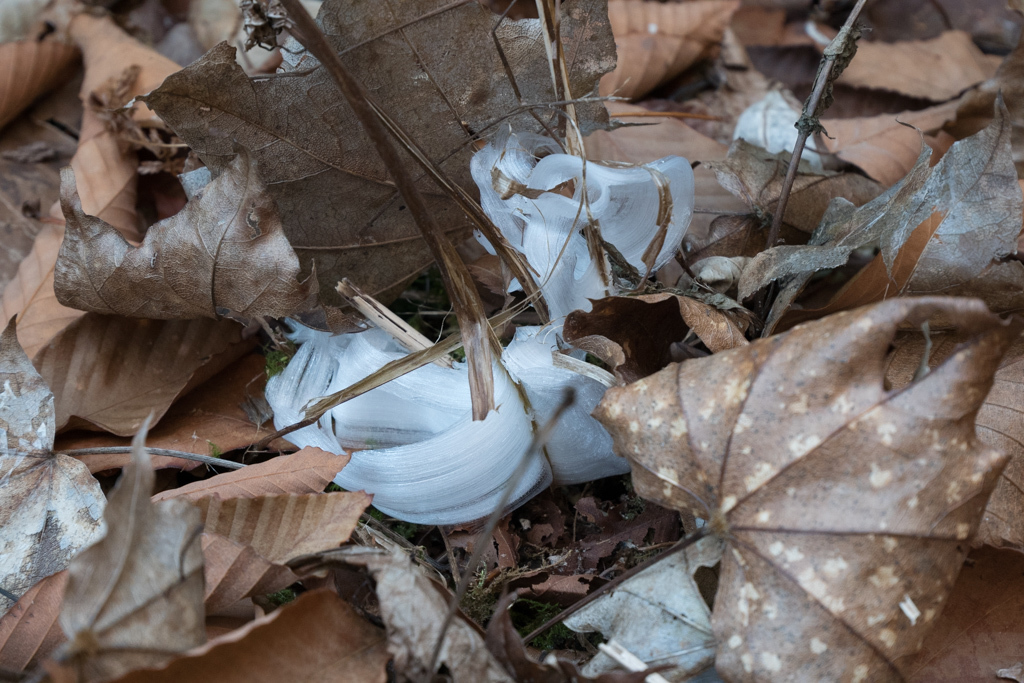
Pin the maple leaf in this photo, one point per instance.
(846, 508)
(308, 144)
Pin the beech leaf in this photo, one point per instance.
(233, 571)
(846, 508)
(340, 209)
(225, 251)
(29, 631)
(135, 598)
(50, 506)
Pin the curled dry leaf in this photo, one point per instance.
(846, 508)
(29, 631)
(233, 571)
(50, 506)
(111, 372)
(657, 614)
(224, 251)
(135, 598)
(319, 637)
(413, 609)
(657, 41)
(104, 165)
(307, 145)
(307, 471)
(633, 335)
(281, 528)
(28, 69)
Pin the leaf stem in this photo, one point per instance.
(184, 455)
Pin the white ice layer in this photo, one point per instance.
(547, 226)
(424, 458)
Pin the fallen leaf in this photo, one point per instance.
(283, 527)
(29, 631)
(413, 609)
(937, 69)
(28, 69)
(770, 123)
(653, 526)
(50, 506)
(135, 598)
(307, 145)
(633, 335)
(234, 571)
(657, 614)
(657, 41)
(111, 372)
(978, 632)
(769, 429)
(224, 252)
(318, 638)
(306, 471)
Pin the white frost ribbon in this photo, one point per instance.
(417, 449)
(522, 196)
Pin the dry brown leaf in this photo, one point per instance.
(233, 571)
(283, 527)
(340, 210)
(413, 609)
(880, 145)
(135, 598)
(316, 639)
(979, 631)
(224, 252)
(29, 631)
(28, 69)
(50, 506)
(104, 165)
(834, 565)
(211, 417)
(657, 41)
(633, 335)
(30, 294)
(938, 69)
(307, 471)
(111, 372)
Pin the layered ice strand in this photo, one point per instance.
(534, 194)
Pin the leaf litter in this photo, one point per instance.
(197, 210)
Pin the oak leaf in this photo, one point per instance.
(846, 508)
(224, 252)
(135, 598)
(50, 506)
(340, 209)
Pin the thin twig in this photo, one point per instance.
(580, 604)
(184, 455)
(809, 120)
(540, 438)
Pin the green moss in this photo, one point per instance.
(332, 488)
(277, 361)
(215, 451)
(405, 529)
(528, 615)
(480, 599)
(282, 597)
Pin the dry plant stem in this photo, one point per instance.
(184, 455)
(580, 604)
(822, 80)
(540, 437)
(479, 341)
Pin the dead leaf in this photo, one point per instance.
(50, 506)
(234, 571)
(318, 638)
(29, 631)
(307, 471)
(224, 251)
(656, 614)
(833, 564)
(979, 631)
(28, 69)
(937, 69)
(135, 598)
(112, 372)
(633, 335)
(210, 417)
(413, 610)
(657, 41)
(307, 145)
(281, 528)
